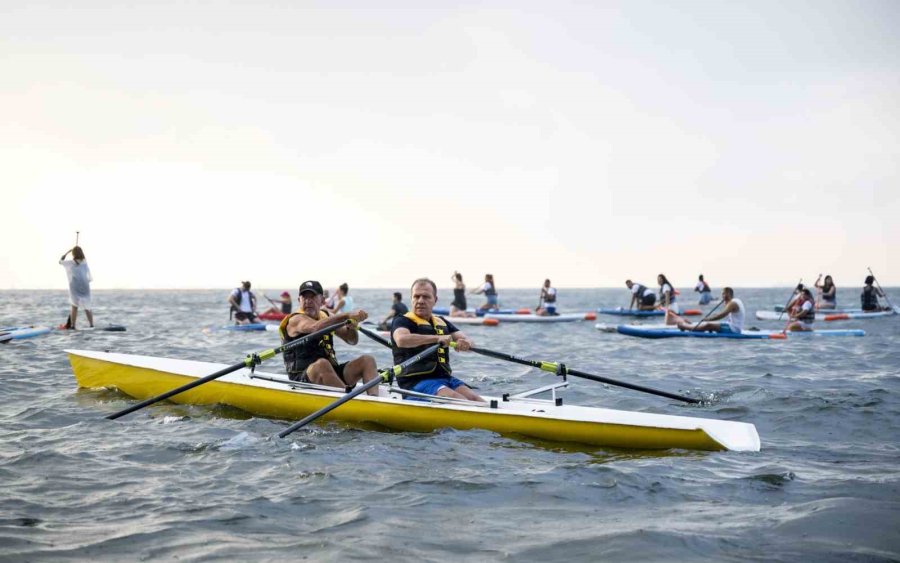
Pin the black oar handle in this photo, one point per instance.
(250, 361)
(374, 336)
(384, 375)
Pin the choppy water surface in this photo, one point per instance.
(192, 483)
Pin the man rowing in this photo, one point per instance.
(315, 361)
(416, 331)
(642, 296)
(732, 316)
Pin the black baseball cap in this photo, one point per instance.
(311, 285)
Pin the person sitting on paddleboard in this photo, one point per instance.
(547, 306)
(732, 316)
(243, 304)
(667, 296)
(284, 305)
(803, 312)
(315, 361)
(828, 297)
(458, 307)
(642, 296)
(869, 296)
(703, 289)
(398, 308)
(79, 275)
(343, 303)
(416, 331)
(490, 292)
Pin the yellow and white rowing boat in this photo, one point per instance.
(275, 396)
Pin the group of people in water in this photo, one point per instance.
(243, 304)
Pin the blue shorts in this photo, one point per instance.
(492, 300)
(551, 309)
(432, 386)
(705, 298)
(728, 329)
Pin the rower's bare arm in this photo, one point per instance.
(405, 339)
(463, 344)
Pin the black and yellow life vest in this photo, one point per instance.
(297, 359)
(437, 365)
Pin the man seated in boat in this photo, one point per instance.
(398, 308)
(642, 296)
(243, 304)
(803, 311)
(417, 330)
(547, 307)
(732, 317)
(315, 361)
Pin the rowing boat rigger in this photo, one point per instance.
(275, 396)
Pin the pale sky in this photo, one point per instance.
(197, 144)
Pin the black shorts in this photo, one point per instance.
(648, 300)
(241, 316)
(459, 304)
(303, 378)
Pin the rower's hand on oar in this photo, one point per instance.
(358, 316)
(463, 344)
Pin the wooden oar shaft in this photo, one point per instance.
(383, 376)
(249, 361)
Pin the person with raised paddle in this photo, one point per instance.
(827, 293)
(547, 306)
(315, 361)
(642, 296)
(79, 276)
(732, 317)
(243, 304)
(414, 332)
(458, 306)
(490, 293)
(802, 312)
(284, 305)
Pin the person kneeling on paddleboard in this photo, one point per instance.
(243, 304)
(547, 306)
(416, 331)
(642, 296)
(315, 361)
(869, 296)
(803, 312)
(732, 316)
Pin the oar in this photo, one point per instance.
(251, 361)
(561, 369)
(886, 298)
(707, 315)
(553, 368)
(384, 375)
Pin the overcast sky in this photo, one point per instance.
(196, 144)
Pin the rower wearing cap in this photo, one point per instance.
(315, 361)
(417, 330)
(243, 304)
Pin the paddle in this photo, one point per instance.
(880, 289)
(384, 375)
(251, 361)
(558, 369)
(696, 326)
(783, 309)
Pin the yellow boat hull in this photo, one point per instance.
(282, 402)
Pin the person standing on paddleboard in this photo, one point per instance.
(704, 290)
(243, 304)
(79, 275)
(547, 306)
(417, 330)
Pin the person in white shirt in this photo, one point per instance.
(80, 279)
(547, 306)
(732, 317)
